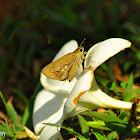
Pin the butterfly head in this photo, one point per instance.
(79, 50)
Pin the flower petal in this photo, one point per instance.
(60, 86)
(80, 88)
(104, 50)
(57, 86)
(95, 98)
(52, 132)
(67, 48)
(48, 108)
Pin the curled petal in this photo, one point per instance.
(48, 108)
(104, 50)
(95, 98)
(80, 88)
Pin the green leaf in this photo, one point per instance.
(11, 111)
(111, 85)
(123, 115)
(8, 130)
(103, 116)
(3, 99)
(98, 135)
(84, 127)
(106, 126)
(112, 136)
(27, 116)
(130, 82)
(128, 96)
(98, 125)
(110, 122)
(136, 91)
(11, 132)
(123, 84)
(135, 129)
(69, 130)
(109, 111)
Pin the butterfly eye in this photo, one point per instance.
(81, 50)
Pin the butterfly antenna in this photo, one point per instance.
(82, 42)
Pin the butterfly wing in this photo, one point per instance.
(74, 68)
(72, 72)
(62, 74)
(59, 69)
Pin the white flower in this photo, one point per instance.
(60, 100)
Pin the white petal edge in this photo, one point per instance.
(55, 85)
(67, 48)
(82, 86)
(104, 50)
(48, 108)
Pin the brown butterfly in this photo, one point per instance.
(66, 67)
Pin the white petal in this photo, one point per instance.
(95, 98)
(80, 88)
(52, 132)
(67, 48)
(60, 86)
(57, 86)
(48, 108)
(104, 50)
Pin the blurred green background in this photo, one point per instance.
(32, 32)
